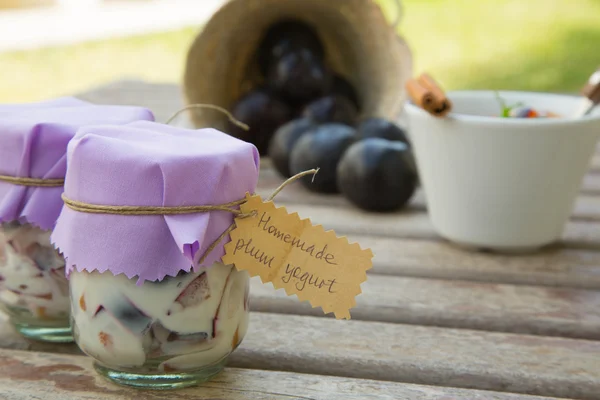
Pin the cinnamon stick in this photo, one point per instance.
(420, 95)
(427, 94)
(442, 105)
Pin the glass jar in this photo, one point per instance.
(167, 334)
(33, 289)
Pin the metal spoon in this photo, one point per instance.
(591, 91)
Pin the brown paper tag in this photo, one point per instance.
(301, 258)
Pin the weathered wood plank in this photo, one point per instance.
(458, 304)
(447, 303)
(595, 165)
(162, 99)
(415, 354)
(591, 184)
(417, 225)
(27, 375)
(587, 207)
(562, 312)
(421, 258)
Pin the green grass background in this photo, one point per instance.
(542, 45)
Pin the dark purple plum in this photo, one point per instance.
(283, 142)
(195, 293)
(332, 109)
(44, 257)
(321, 148)
(377, 174)
(99, 310)
(300, 77)
(263, 112)
(196, 337)
(381, 128)
(341, 87)
(285, 37)
(127, 314)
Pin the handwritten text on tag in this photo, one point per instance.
(299, 257)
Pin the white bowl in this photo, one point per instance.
(502, 183)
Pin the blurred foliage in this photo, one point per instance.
(542, 45)
(40, 74)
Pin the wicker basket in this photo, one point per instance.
(359, 45)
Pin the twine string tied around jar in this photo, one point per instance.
(231, 207)
(32, 182)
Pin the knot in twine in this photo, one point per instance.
(39, 182)
(231, 207)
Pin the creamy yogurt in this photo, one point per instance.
(181, 323)
(32, 277)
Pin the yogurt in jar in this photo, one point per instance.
(181, 323)
(32, 274)
(148, 208)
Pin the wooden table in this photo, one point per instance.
(433, 322)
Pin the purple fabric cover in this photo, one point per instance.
(151, 164)
(33, 143)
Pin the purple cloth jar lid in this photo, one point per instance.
(151, 164)
(33, 144)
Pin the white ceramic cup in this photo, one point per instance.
(503, 184)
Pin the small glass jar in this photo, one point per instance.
(166, 334)
(33, 289)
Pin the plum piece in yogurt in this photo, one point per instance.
(184, 323)
(33, 288)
